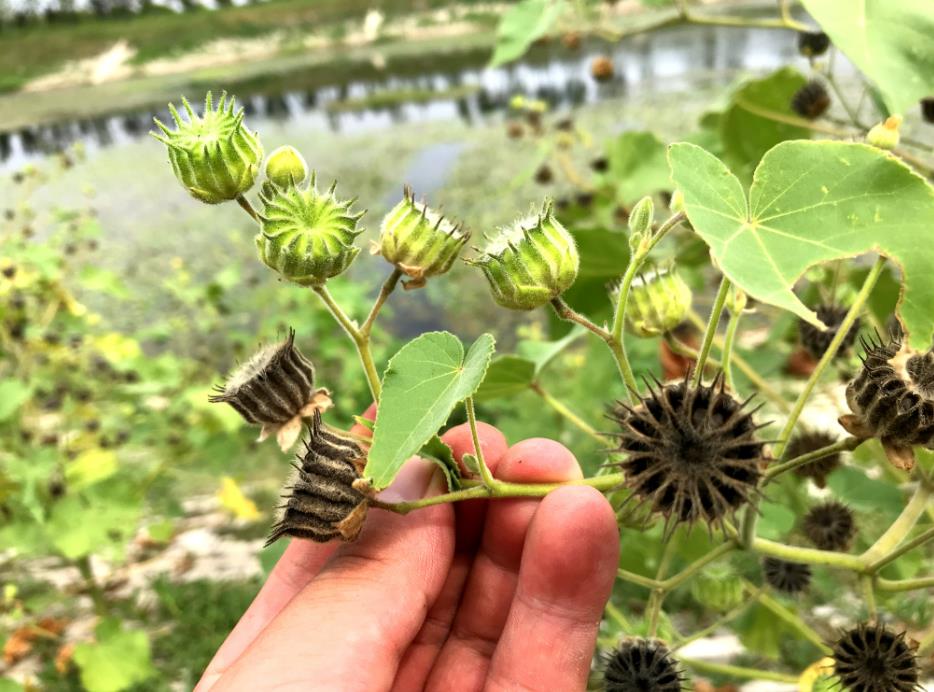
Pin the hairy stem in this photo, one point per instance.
(565, 412)
(810, 556)
(727, 357)
(867, 584)
(846, 445)
(617, 615)
(715, 311)
(101, 607)
(737, 671)
(384, 292)
(247, 207)
(905, 584)
(485, 474)
(361, 341)
(881, 552)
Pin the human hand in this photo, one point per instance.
(492, 595)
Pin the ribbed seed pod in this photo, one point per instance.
(305, 235)
(830, 526)
(811, 100)
(813, 43)
(642, 665)
(816, 340)
(692, 452)
(810, 441)
(321, 501)
(892, 398)
(658, 303)
(718, 588)
(275, 389)
(872, 658)
(214, 156)
(530, 262)
(418, 240)
(787, 577)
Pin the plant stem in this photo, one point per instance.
(387, 288)
(716, 624)
(560, 407)
(94, 590)
(869, 594)
(485, 474)
(791, 619)
(247, 207)
(809, 556)
(709, 332)
(361, 341)
(676, 580)
(905, 584)
(879, 554)
(737, 671)
(658, 594)
(845, 445)
(908, 546)
(567, 313)
(637, 579)
(727, 356)
(617, 615)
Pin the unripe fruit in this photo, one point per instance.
(885, 134)
(305, 235)
(601, 69)
(718, 588)
(640, 221)
(813, 43)
(285, 167)
(657, 303)
(811, 100)
(530, 262)
(418, 240)
(214, 156)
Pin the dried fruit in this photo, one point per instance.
(530, 262)
(657, 303)
(305, 235)
(692, 452)
(600, 164)
(811, 100)
(601, 68)
(892, 398)
(816, 340)
(642, 665)
(275, 389)
(418, 240)
(544, 176)
(324, 500)
(813, 43)
(872, 658)
(214, 156)
(811, 441)
(830, 526)
(788, 577)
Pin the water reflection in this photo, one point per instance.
(667, 61)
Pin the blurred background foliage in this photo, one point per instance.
(132, 511)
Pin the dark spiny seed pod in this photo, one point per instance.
(692, 452)
(816, 340)
(544, 176)
(275, 389)
(9, 272)
(927, 109)
(323, 501)
(600, 164)
(813, 43)
(811, 441)
(584, 199)
(641, 665)
(872, 658)
(892, 398)
(830, 526)
(788, 577)
(811, 100)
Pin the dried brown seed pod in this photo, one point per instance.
(811, 101)
(602, 69)
(813, 43)
(642, 665)
(830, 526)
(873, 658)
(275, 389)
(788, 577)
(810, 441)
(571, 40)
(892, 398)
(816, 340)
(324, 500)
(514, 130)
(927, 109)
(692, 452)
(544, 176)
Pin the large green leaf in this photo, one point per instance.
(637, 166)
(13, 394)
(811, 202)
(523, 24)
(423, 383)
(118, 659)
(747, 136)
(889, 40)
(507, 376)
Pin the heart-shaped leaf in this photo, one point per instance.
(812, 202)
(423, 383)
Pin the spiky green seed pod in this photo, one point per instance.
(718, 588)
(286, 167)
(305, 235)
(530, 262)
(418, 240)
(657, 303)
(214, 156)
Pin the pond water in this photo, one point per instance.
(672, 60)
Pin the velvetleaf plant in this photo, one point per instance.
(684, 452)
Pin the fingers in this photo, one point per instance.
(359, 615)
(469, 518)
(568, 568)
(465, 657)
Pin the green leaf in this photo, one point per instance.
(746, 136)
(603, 254)
(13, 394)
(103, 281)
(763, 632)
(812, 202)
(888, 40)
(521, 26)
(91, 466)
(118, 659)
(79, 526)
(423, 383)
(776, 521)
(637, 166)
(436, 450)
(507, 376)
(541, 353)
(852, 486)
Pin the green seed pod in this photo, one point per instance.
(214, 156)
(419, 240)
(657, 303)
(530, 262)
(717, 588)
(305, 235)
(640, 222)
(285, 167)
(885, 134)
